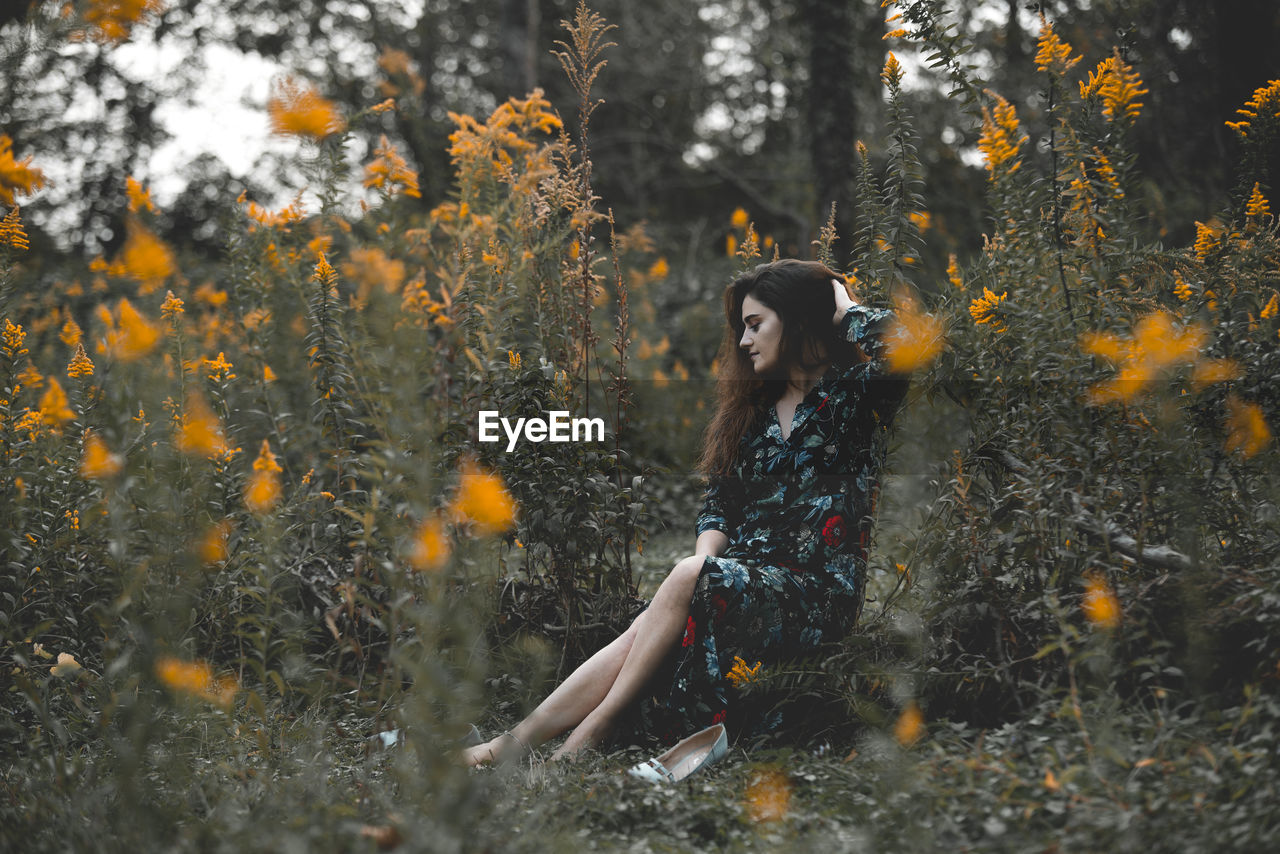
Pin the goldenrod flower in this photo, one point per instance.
(262, 493)
(293, 212)
(739, 218)
(66, 666)
(389, 170)
(1001, 137)
(219, 369)
(1257, 208)
(660, 379)
(513, 359)
(11, 233)
(659, 269)
(55, 409)
(909, 726)
(1269, 310)
(30, 377)
(1157, 345)
(742, 674)
(429, 548)
(1052, 53)
(171, 307)
(371, 268)
(730, 246)
(146, 257)
(71, 333)
(1265, 104)
(899, 33)
(1181, 289)
(1208, 239)
(768, 796)
(1101, 608)
(1247, 430)
(483, 499)
(138, 197)
(268, 375)
(1211, 371)
(98, 463)
(196, 679)
(13, 337)
(986, 309)
(200, 434)
(916, 339)
(112, 21)
(80, 365)
(298, 109)
(891, 74)
(135, 337)
(953, 272)
(212, 546)
(16, 176)
(1119, 87)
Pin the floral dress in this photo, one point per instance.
(798, 513)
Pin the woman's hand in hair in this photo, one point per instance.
(843, 301)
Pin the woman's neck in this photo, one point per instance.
(802, 379)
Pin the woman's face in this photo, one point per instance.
(762, 337)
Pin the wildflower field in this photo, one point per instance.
(247, 521)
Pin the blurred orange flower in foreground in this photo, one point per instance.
(429, 548)
(16, 176)
(1247, 430)
(262, 493)
(196, 678)
(297, 109)
(909, 726)
(768, 796)
(200, 434)
(97, 461)
(1101, 608)
(483, 499)
(916, 339)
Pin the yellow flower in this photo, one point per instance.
(66, 666)
(13, 336)
(134, 338)
(739, 218)
(731, 246)
(1257, 208)
(483, 499)
(659, 269)
(1119, 87)
(11, 233)
(1264, 104)
(212, 547)
(283, 218)
(200, 434)
(1101, 608)
(429, 548)
(1247, 430)
(196, 678)
(80, 365)
(768, 796)
(1269, 310)
(742, 673)
(219, 369)
(1181, 289)
(138, 197)
(268, 375)
(370, 268)
(1156, 345)
(953, 272)
(112, 20)
(513, 359)
(30, 377)
(1208, 239)
(986, 309)
(98, 463)
(172, 306)
(916, 339)
(891, 74)
(389, 170)
(146, 257)
(1211, 371)
(16, 176)
(1052, 53)
(298, 109)
(55, 409)
(909, 726)
(1001, 137)
(262, 493)
(71, 333)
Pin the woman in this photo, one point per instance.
(794, 454)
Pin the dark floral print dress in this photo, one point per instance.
(798, 513)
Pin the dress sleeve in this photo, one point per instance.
(867, 327)
(721, 507)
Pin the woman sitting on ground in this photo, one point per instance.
(794, 455)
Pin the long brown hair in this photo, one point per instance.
(801, 295)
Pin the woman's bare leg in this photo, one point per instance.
(659, 628)
(566, 706)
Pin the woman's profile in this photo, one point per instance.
(793, 454)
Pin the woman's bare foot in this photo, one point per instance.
(504, 748)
